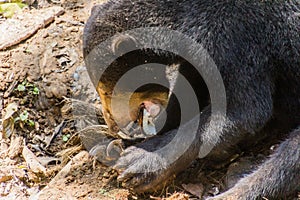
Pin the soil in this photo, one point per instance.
(41, 155)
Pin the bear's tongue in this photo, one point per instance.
(148, 125)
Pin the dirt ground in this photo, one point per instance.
(41, 155)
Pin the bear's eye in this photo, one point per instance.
(107, 94)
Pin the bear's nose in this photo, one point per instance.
(144, 125)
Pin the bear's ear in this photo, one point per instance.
(122, 44)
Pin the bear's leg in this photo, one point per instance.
(276, 178)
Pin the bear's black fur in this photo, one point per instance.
(256, 47)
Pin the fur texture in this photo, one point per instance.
(256, 47)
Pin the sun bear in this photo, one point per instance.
(248, 58)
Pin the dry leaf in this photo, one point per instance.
(15, 147)
(8, 120)
(5, 178)
(32, 161)
(177, 196)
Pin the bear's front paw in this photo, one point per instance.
(141, 170)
